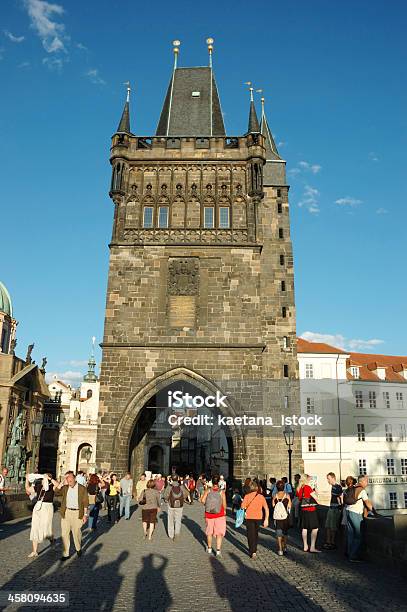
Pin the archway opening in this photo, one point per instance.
(83, 457)
(162, 446)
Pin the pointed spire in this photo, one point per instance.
(91, 376)
(253, 127)
(271, 148)
(124, 125)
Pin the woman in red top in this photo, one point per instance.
(215, 515)
(309, 517)
(255, 504)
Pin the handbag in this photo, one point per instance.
(38, 503)
(241, 514)
(143, 501)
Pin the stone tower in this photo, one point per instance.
(201, 287)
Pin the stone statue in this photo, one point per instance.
(15, 454)
(28, 358)
(13, 345)
(76, 416)
(44, 363)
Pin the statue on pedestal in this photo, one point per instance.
(15, 454)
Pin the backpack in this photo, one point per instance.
(213, 502)
(191, 484)
(176, 497)
(280, 511)
(350, 496)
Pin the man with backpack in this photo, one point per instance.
(175, 494)
(357, 504)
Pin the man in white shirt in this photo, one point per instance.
(354, 515)
(74, 513)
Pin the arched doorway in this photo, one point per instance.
(156, 459)
(83, 457)
(202, 446)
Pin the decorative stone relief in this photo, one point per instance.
(183, 276)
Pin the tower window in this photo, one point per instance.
(279, 193)
(283, 285)
(148, 216)
(196, 94)
(285, 370)
(163, 216)
(279, 207)
(286, 343)
(284, 312)
(208, 217)
(282, 260)
(224, 221)
(89, 393)
(280, 232)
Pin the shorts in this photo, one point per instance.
(216, 526)
(332, 519)
(282, 527)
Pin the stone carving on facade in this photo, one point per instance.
(183, 276)
(28, 358)
(15, 453)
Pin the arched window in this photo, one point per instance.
(89, 393)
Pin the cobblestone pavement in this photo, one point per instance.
(119, 570)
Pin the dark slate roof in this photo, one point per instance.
(271, 148)
(253, 127)
(124, 125)
(186, 115)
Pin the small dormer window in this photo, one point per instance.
(381, 373)
(196, 94)
(354, 371)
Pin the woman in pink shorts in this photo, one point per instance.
(215, 515)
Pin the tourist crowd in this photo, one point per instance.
(257, 504)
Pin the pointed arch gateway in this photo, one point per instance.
(133, 426)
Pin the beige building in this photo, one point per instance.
(77, 437)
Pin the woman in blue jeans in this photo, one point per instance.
(354, 518)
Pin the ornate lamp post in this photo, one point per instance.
(87, 454)
(289, 440)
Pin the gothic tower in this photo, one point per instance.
(201, 288)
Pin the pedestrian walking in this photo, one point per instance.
(3, 489)
(236, 501)
(150, 500)
(200, 486)
(43, 511)
(256, 511)
(126, 494)
(281, 515)
(74, 513)
(309, 518)
(141, 486)
(215, 515)
(358, 505)
(333, 516)
(175, 495)
(113, 498)
(95, 500)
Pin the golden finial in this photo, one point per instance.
(175, 47)
(128, 90)
(250, 89)
(209, 42)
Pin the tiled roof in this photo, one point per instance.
(304, 346)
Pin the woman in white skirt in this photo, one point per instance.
(43, 512)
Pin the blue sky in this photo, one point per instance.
(333, 75)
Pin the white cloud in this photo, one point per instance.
(95, 78)
(81, 47)
(373, 156)
(53, 63)
(382, 211)
(304, 166)
(310, 199)
(14, 39)
(294, 171)
(24, 65)
(339, 341)
(281, 144)
(348, 201)
(51, 33)
(77, 363)
(70, 377)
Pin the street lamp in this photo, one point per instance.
(289, 440)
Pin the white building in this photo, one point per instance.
(361, 399)
(77, 438)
